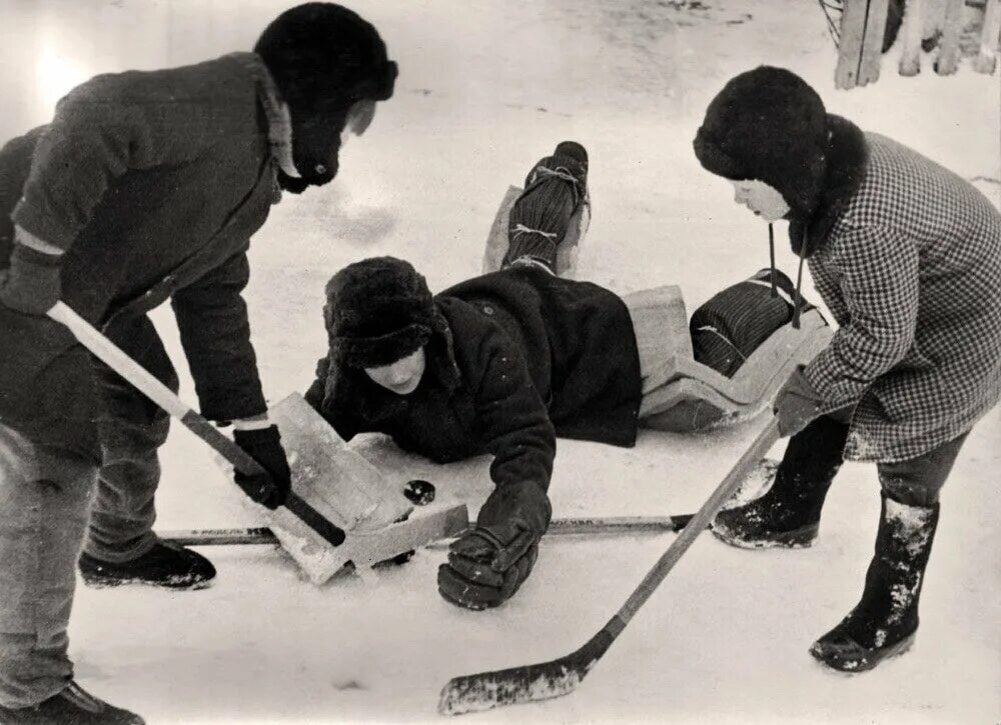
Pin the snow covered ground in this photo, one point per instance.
(485, 89)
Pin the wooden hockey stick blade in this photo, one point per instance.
(558, 527)
(531, 683)
(544, 681)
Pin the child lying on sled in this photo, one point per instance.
(506, 362)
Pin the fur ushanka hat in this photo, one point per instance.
(379, 311)
(768, 124)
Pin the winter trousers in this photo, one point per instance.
(48, 496)
(915, 482)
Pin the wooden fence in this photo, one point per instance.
(861, 37)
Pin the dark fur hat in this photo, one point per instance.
(379, 311)
(768, 124)
(324, 58)
(321, 51)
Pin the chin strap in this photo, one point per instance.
(804, 252)
(771, 258)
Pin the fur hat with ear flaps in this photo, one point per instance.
(379, 311)
(323, 58)
(769, 124)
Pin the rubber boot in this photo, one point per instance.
(788, 514)
(72, 706)
(885, 621)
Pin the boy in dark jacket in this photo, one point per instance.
(145, 186)
(503, 364)
(907, 257)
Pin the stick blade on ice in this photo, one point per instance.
(528, 683)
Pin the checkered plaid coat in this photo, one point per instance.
(911, 271)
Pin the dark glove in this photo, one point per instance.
(797, 404)
(31, 284)
(269, 489)
(487, 565)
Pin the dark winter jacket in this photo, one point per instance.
(907, 256)
(153, 182)
(525, 353)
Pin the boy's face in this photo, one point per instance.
(401, 377)
(764, 200)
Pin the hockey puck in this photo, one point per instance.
(418, 492)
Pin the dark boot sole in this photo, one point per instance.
(860, 662)
(800, 538)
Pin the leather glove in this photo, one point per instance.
(31, 284)
(271, 488)
(797, 404)
(487, 565)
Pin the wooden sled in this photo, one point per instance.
(377, 520)
(695, 397)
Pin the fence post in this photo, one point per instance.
(986, 60)
(910, 59)
(872, 43)
(860, 46)
(948, 47)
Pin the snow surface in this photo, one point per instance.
(485, 89)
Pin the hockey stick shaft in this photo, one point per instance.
(530, 683)
(557, 527)
(115, 358)
(755, 452)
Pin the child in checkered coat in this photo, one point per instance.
(907, 257)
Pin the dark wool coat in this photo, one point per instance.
(153, 182)
(907, 256)
(525, 354)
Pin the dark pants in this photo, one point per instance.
(131, 430)
(916, 482)
(48, 498)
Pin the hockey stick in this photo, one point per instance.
(531, 683)
(557, 527)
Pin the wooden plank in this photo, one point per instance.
(337, 481)
(497, 241)
(366, 548)
(872, 43)
(850, 46)
(986, 60)
(912, 30)
(569, 248)
(948, 48)
(750, 391)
